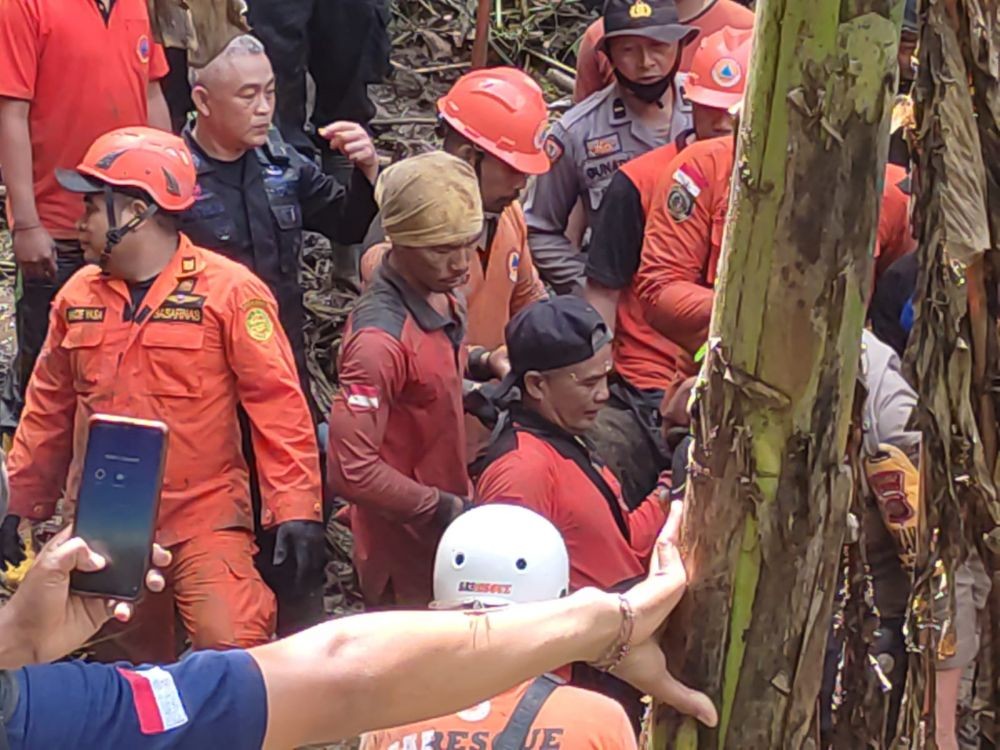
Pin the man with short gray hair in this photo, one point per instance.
(255, 196)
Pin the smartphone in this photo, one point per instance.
(119, 502)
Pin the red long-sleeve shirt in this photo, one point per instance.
(546, 475)
(397, 434)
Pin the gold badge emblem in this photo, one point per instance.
(259, 325)
(640, 9)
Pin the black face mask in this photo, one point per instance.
(651, 93)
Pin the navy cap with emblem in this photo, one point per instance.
(653, 19)
(553, 333)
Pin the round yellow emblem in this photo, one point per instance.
(259, 324)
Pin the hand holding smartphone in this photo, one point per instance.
(119, 502)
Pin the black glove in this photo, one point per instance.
(449, 508)
(306, 541)
(11, 546)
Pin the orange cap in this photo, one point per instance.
(152, 160)
(720, 68)
(503, 111)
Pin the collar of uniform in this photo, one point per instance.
(539, 425)
(187, 261)
(202, 164)
(426, 316)
(274, 150)
(622, 115)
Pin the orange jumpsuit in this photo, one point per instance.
(204, 339)
(500, 285)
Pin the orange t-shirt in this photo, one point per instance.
(895, 236)
(83, 77)
(593, 68)
(571, 719)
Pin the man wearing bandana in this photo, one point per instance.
(640, 110)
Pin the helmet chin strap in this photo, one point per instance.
(115, 233)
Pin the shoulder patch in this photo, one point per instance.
(618, 110)
(691, 178)
(680, 203)
(513, 264)
(554, 148)
(361, 398)
(259, 325)
(156, 700)
(605, 145)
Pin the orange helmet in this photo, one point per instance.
(720, 68)
(501, 110)
(151, 160)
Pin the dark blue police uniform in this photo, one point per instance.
(254, 210)
(209, 700)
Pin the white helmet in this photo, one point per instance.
(499, 554)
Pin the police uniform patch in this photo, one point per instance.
(513, 264)
(605, 145)
(680, 203)
(85, 314)
(259, 325)
(554, 148)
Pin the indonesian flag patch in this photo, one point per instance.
(361, 397)
(158, 705)
(691, 179)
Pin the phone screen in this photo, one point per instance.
(118, 503)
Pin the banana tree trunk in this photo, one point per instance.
(954, 352)
(770, 490)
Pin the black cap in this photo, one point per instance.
(553, 333)
(654, 19)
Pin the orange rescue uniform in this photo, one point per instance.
(680, 253)
(683, 241)
(593, 68)
(203, 341)
(571, 719)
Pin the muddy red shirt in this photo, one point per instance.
(85, 73)
(397, 434)
(538, 466)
